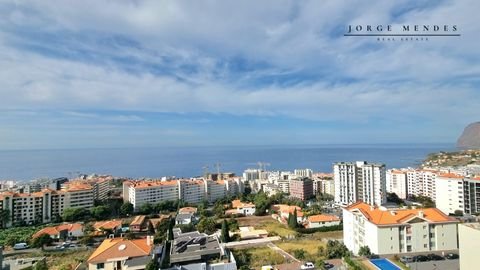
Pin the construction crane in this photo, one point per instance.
(205, 171)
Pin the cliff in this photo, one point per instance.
(470, 138)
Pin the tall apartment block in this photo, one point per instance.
(301, 188)
(360, 181)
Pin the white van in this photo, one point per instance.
(19, 246)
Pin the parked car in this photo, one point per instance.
(406, 259)
(451, 256)
(60, 247)
(435, 257)
(420, 258)
(19, 246)
(307, 265)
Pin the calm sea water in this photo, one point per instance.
(188, 161)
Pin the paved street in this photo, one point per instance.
(436, 265)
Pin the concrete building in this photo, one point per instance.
(301, 188)
(304, 173)
(324, 186)
(421, 182)
(468, 240)
(360, 181)
(152, 192)
(397, 231)
(456, 192)
(396, 182)
(215, 190)
(247, 209)
(192, 191)
(317, 221)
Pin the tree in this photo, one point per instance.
(320, 264)
(100, 212)
(152, 265)
(126, 209)
(146, 208)
(41, 265)
(42, 240)
(299, 254)
(130, 236)
(295, 223)
(225, 235)
(364, 251)
(4, 217)
(170, 229)
(336, 249)
(74, 214)
(393, 197)
(207, 225)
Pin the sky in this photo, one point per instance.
(81, 74)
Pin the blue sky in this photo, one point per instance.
(179, 73)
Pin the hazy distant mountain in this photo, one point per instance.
(470, 138)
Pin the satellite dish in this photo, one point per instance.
(122, 247)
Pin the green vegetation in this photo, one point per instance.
(334, 250)
(11, 236)
(42, 240)
(445, 159)
(41, 265)
(207, 225)
(152, 265)
(426, 202)
(225, 235)
(364, 251)
(254, 258)
(126, 209)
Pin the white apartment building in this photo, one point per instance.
(468, 239)
(143, 192)
(456, 192)
(397, 183)
(324, 186)
(304, 172)
(397, 231)
(46, 205)
(421, 182)
(215, 190)
(360, 181)
(251, 174)
(192, 191)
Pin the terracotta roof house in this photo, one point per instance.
(138, 224)
(317, 221)
(123, 254)
(62, 231)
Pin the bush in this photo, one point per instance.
(321, 229)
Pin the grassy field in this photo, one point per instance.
(256, 257)
(276, 227)
(309, 245)
(66, 260)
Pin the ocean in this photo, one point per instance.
(190, 161)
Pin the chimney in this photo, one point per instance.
(393, 213)
(420, 214)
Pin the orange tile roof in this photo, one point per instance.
(187, 210)
(109, 224)
(289, 209)
(77, 186)
(52, 231)
(147, 184)
(323, 218)
(138, 221)
(120, 248)
(451, 175)
(239, 204)
(397, 171)
(392, 217)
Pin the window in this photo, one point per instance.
(100, 265)
(425, 245)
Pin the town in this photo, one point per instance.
(361, 216)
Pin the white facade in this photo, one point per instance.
(398, 231)
(360, 181)
(152, 192)
(192, 191)
(215, 190)
(468, 241)
(397, 183)
(304, 172)
(450, 196)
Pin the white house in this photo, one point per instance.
(398, 231)
(62, 231)
(247, 209)
(317, 221)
